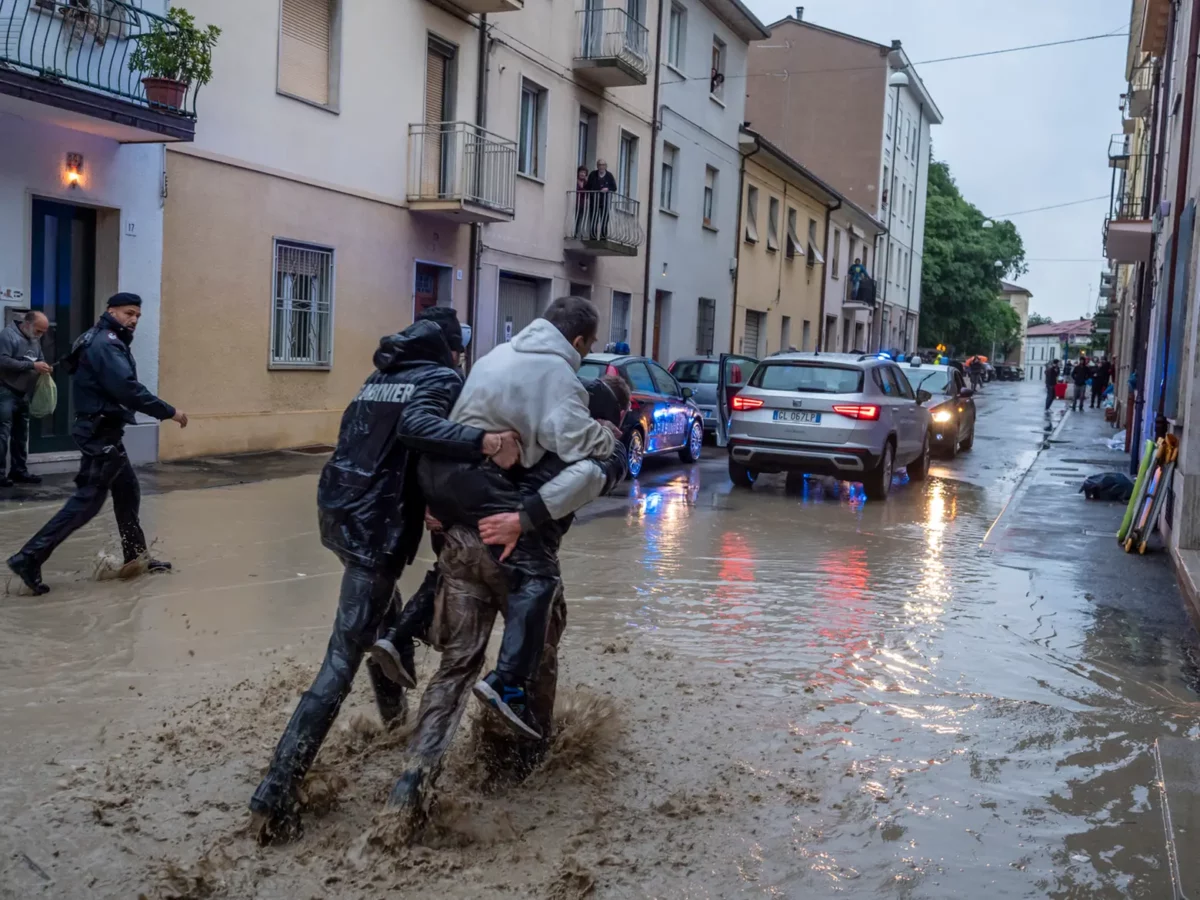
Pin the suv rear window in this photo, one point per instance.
(695, 371)
(807, 378)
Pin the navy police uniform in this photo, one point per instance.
(107, 394)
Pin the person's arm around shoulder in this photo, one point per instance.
(569, 431)
(425, 426)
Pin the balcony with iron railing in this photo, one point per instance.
(490, 6)
(612, 48)
(72, 57)
(601, 223)
(861, 296)
(1127, 227)
(460, 172)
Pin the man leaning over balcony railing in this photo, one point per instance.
(857, 273)
(600, 185)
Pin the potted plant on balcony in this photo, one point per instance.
(173, 55)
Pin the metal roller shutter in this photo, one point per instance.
(518, 306)
(750, 342)
(304, 40)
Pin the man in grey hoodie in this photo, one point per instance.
(21, 362)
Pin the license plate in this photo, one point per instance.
(797, 417)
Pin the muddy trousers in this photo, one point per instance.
(102, 469)
(364, 601)
(471, 593)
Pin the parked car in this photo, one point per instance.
(952, 409)
(662, 418)
(700, 374)
(850, 416)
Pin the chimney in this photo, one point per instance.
(800, 13)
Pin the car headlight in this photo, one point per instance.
(942, 416)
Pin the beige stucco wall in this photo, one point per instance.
(767, 280)
(219, 225)
(1019, 301)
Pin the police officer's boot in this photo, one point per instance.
(29, 570)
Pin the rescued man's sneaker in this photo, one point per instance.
(158, 565)
(397, 664)
(511, 702)
(29, 572)
(25, 478)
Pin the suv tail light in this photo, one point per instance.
(743, 404)
(867, 411)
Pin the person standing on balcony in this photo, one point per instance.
(21, 363)
(857, 273)
(581, 201)
(600, 185)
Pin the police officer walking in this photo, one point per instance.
(106, 394)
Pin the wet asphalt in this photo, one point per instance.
(950, 693)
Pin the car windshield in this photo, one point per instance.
(590, 371)
(695, 371)
(933, 381)
(807, 378)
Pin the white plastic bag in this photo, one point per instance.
(45, 397)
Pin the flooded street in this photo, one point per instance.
(765, 694)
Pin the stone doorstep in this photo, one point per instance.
(1187, 573)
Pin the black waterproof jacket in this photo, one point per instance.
(104, 382)
(371, 509)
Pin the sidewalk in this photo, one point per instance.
(188, 474)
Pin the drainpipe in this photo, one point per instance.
(737, 238)
(655, 117)
(913, 224)
(473, 270)
(1181, 192)
(825, 276)
(891, 189)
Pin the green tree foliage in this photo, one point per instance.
(964, 263)
(1038, 319)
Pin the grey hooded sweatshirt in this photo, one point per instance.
(18, 353)
(529, 386)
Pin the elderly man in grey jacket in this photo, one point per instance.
(21, 362)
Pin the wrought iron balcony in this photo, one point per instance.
(863, 298)
(1127, 228)
(491, 6)
(458, 171)
(612, 47)
(601, 223)
(73, 55)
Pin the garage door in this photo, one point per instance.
(517, 308)
(750, 343)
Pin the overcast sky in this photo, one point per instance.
(1022, 130)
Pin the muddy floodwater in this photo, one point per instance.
(780, 694)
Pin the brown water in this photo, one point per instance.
(764, 695)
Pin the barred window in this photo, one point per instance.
(706, 326)
(302, 309)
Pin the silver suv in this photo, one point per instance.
(850, 416)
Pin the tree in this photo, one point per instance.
(961, 304)
(1038, 319)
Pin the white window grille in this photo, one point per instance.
(302, 308)
(619, 330)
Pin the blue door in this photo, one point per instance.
(62, 285)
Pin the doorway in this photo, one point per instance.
(661, 299)
(62, 285)
(431, 287)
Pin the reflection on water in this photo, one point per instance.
(945, 714)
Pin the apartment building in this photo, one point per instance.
(781, 256)
(570, 86)
(694, 224)
(82, 179)
(318, 208)
(1018, 298)
(1060, 341)
(860, 119)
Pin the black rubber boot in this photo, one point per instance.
(29, 572)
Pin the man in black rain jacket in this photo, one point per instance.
(371, 514)
(107, 393)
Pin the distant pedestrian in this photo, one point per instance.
(1079, 377)
(1067, 368)
(1101, 376)
(1051, 382)
(106, 394)
(21, 363)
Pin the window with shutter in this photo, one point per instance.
(306, 49)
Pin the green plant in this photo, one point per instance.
(176, 48)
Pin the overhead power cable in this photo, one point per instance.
(1023, 212)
